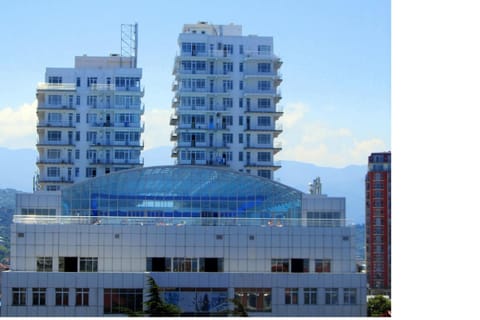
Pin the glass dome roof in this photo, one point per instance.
(181, 191)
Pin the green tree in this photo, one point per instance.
(155, 306)
(378, 306)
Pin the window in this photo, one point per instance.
(88, 264)
(240, 85)
(331, 296)
(44, 264)
(264, 139)
(291, 295)
(67, 264)
(264, 103)
(264, 67)
(127, 82)
(61, 296)
(19, 296)
(227, 102)
(55, 79)
(77, 117)
(227, 138)
(159, 264)
(264, 156)
(264, 121)
(255, 299)
(53, 172)
(91, 118)
(240, 138)
(92, 136)
(310, 295)
(91, 80)
(323, 265)
(349, 296)
(54, 117)
(240, 66)
(90, 172)
(77, 135)
(211, 265)
(240, 156)
(54, 99)
(264, 85)
(81, 296)
(54, 136)
(265, 173)
(227, 85)
(38, 295)
(184, 264)
(228, 49)
(118, 300)
(53, 153)
(92, 101)
(77, 172)
(300, 265)
(279, 265)
(78, 82)
(264, 49)
(227, 67)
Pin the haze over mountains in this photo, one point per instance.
(17, 168)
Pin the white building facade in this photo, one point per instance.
(225, 103)
(206, 235)
(89, 120)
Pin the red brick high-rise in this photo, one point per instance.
(378, 223)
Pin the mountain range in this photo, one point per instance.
(17, 169)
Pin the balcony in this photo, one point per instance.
(59, 107)
(173, 136)
(109, 143)
(55, 124)
(44, 142)
(264, 164)
(173, 120)
(58, 162)
(44, 86)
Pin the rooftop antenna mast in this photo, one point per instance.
(129, 43)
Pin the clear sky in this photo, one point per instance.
(336, 65)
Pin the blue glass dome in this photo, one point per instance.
(190, 192)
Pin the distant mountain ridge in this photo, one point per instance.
(17, 168)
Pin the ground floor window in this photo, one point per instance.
(61, 296)
(122, 300)
(349, 296)
(310, 295)
(39, 296)
(255, 299)
(331, 296)
(19, 296)
(291, 295)
(82, 297)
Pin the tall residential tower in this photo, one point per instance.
(378, 226)
(225, 103)
(89, 117)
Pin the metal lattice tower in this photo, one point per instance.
(129, 42)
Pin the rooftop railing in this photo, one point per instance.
(180, 221)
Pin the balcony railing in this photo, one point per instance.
(179, 221)
(57, 86)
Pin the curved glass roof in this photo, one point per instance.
(181, 191)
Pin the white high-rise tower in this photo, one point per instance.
(89, 117)
(225, 103)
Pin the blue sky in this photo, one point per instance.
(336, 70)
